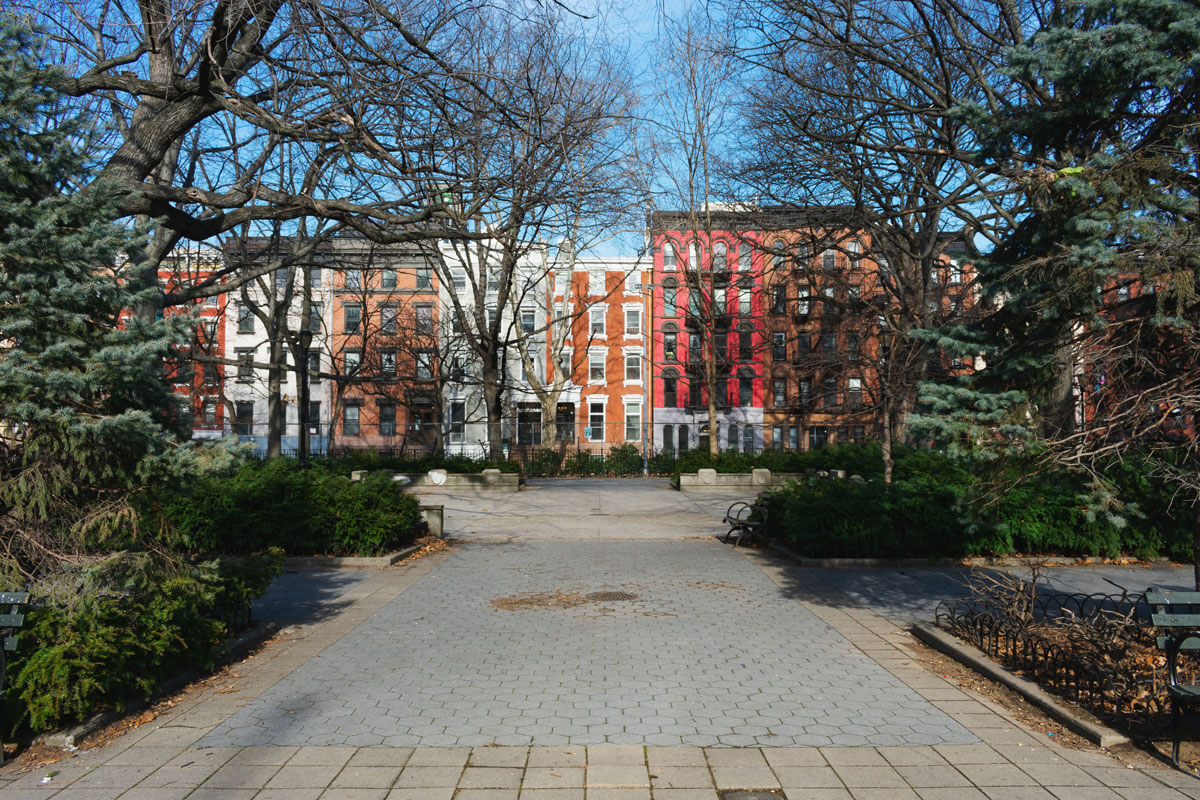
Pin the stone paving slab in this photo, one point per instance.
(710, 652)
(605, 771)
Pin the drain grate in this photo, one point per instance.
(610, 597)
(751, 794)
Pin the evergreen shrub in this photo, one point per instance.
(307, 511)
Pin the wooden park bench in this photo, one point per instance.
(1178, 614)
(745, 521)
(10, 621)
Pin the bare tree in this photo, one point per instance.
(517, 191)
(860, 105)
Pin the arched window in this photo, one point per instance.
(720, 257)
(669, 258)
(668, 438)
(743, 253)
(733, 437)
(778, 254)
(693, 256)
(670, 389)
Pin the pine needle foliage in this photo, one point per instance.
(82, 400)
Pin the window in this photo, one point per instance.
(314, 317)
(352, 360)
(185, 373)
(387, 320)
(818, 438)
(527, 321)
(387, 362)
(387, 279)
(855, 249)
(693, 256)
(1122, 293)
(779, 346)
(934, 275)
(424, 319)
(314, 366)
(670, 301)
(564, 422)
(245, 370)
(633, 420)
(828, 392)
(633, 322)
(668, 439)
(670, 391)
(829, 342)
(733, 437)
(314, 417)
(596, 315)
(387, 420)
(212, 373)
(721, 346)
(777, 437)
(803, 304)
(858, 434)
(779, 299)
(210, 331)
(350, 420)
(493, 280)
(829, 260)
(459, 278)
(458, 415)
(854, 293)
(694, 310)
(743, 252)
(595, 431)
(793, 438)
(533, 357)
(695, 393)
(745, 345)
(245, 318)
(424, 359)
(956, 273)
(213, 301)
(633, 368)
(314, 277)
(669, 347)
(854, 393)
(748, 439)
(669, 257)
(208, 412)
(281, 278)
(354, 279)
(424, 276)
(681, 432)
(778, 255)
(853, 345)
(720, 301)
(596, 367)
(778, 391)
(720, 257)
(244, 419)
(722, 392)
(693, 347)
(352, 317)
(457, 370)
(745, 391)
(803, 346)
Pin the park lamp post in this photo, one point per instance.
(302, 409)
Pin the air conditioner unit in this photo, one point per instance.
(635, 287)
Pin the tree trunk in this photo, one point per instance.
(885, 443)
(275, 409)
(493, 400)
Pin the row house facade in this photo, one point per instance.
(790, 309)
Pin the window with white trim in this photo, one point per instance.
(669, 257)
(596, 316)
(595, 431)
(633, 368)
(633, 322)
(633, 420)
(596, 366)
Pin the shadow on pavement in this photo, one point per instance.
(308, 596)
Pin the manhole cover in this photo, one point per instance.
(609, 597)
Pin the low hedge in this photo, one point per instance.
(275, 503)
(938, 507)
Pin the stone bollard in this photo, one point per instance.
(822, 473)
(358, 475)
(858, 479)
(707, 477)
(840, 474)
(491, 477)
(760, 477)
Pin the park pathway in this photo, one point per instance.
(612, 653)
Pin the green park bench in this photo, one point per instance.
(1178, 614)
(10, 622)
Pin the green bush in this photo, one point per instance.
(546, 462)
(104, 650)
(623, 460)
(371, 460)
(304, 511)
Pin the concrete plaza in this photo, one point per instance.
(589, 639)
